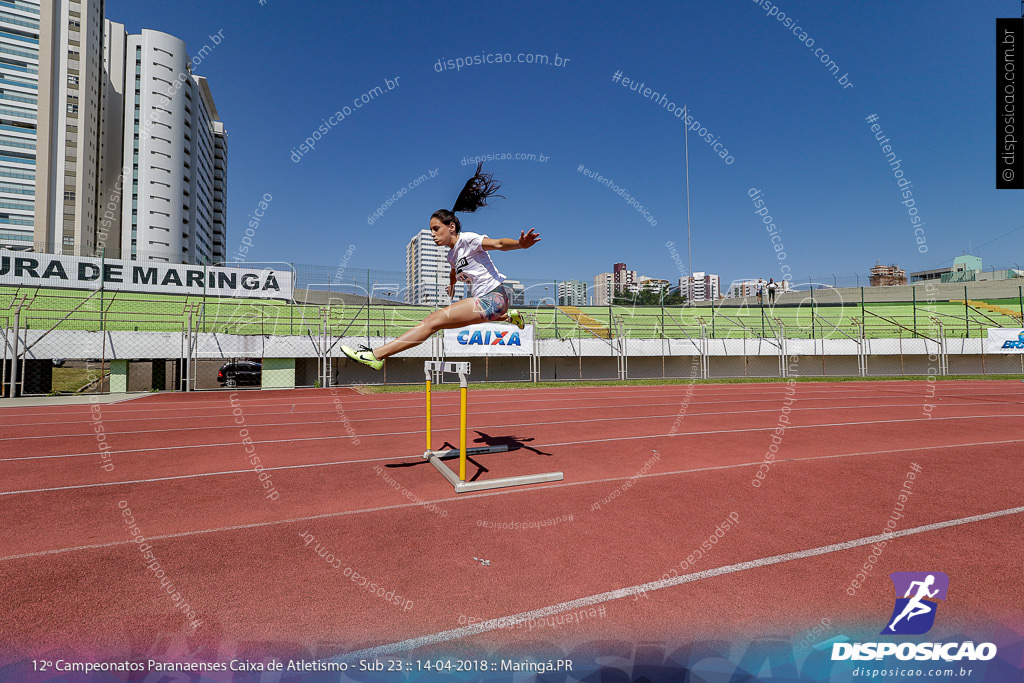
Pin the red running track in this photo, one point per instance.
(632, 544)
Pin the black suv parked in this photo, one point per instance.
(239, 372)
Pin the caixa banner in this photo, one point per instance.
(76, 272)
(1003, 340)
(489, 339)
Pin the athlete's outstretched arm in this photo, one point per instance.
(525, 241)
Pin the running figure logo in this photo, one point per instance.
(914, 612)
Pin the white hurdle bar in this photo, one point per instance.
(435, 457)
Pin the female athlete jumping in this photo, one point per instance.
(470, 263)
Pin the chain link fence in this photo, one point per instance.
(77, 341)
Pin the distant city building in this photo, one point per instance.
(652, 284)
(572, 293)
(933, 275)
(624, 280)
(964, 269)
(427, 272)
(603, 290)
(743, 288)
(700, 286)
(518, 292)
(887, 276)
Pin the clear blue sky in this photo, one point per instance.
(926, 69)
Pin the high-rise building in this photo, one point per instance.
(604, 289)
(515, 287)
(171, 141)
(572, 293)
(427, 272)
(219, 232)
(625, 280)
(67, 155)
(700, 287)
(25, 35)
(95, 137)
(111, 173)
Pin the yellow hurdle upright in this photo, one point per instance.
(436, 457)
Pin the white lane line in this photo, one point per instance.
(444, 403)
(569, 443)
(377, 460)
(510, 491)
(483, 395)
(572, 605)
(391, 417)
(522, 424)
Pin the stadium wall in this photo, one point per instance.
(155, 359)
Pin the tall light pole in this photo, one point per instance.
(686, 157)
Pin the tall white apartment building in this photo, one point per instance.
(572, 293)
(604, 289)
(171, 138)
(700, 287)
(427, 272)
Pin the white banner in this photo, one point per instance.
(489, 339)
(77, 272)
(1003, 340)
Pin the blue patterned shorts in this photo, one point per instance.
(494, 304)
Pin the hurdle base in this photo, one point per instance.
(435, 458)
(454, 452)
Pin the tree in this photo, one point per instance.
(649, 297)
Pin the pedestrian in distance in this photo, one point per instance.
(771, 290)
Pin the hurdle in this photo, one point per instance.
(435, 457)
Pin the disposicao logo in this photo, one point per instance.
(917, 596)
(914, 613)
(1019, 344)
(489, 338)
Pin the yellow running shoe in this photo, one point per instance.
(516, 318)
(364, 355)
